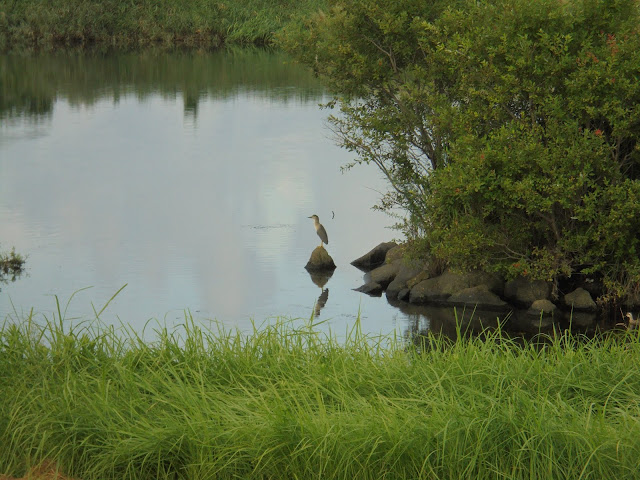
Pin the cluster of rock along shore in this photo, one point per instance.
(414, 282)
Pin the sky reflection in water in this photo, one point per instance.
(201, 208)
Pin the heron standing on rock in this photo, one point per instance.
(322, 233)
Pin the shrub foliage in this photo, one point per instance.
(508, 129)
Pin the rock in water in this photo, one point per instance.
(372, 288)
(581, 300)
(438, 289)
(320, 260)
(524, 292)
(479, 296)
(374, 257)
(384, 274)
(542, 307)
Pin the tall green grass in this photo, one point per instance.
(143, 23)
(288, 402)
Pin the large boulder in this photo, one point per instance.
(406, 272)
(580, 300)
(371, 288)
(479, 297)
(320, 260)
(375, 257)
(402, 295)
(523, 291)
(378, 279)
(394, 253)
(384, 274)
(542, 307)
(421, 276)
(440, 288)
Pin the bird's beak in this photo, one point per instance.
(308, 217)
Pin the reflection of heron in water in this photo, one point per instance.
(322, 233)
(320, 279)
(322, 300)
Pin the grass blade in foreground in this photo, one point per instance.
(294, 403)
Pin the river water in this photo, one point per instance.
(189, 178)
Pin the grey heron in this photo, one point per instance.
(633, 323)
(322, 233)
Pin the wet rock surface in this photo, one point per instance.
(523, 292)
(384, 274)
(534, 304)
(479, 295)
(439, 289)
(542, 307)
(580, 300)
(320, 260)
(375, 257)
(371, 288)
(405, 273)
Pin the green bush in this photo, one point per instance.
(508, 129)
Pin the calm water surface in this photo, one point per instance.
(189, 178)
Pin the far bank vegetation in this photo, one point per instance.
(126, 25)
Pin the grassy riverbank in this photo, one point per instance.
(28, 24)
(292, 403)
